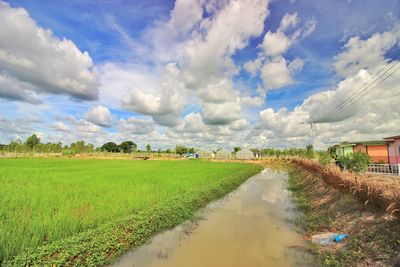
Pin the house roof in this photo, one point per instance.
(374, 142)
(370, 143)
(203, 151)
(223, 151)
(392, 137)
(344, 144)
(244, 151)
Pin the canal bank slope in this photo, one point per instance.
(374, 233)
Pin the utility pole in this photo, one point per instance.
(312, 138)
(264, 138)
(312, 133)
(265, 144)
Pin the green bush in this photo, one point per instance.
(310, 152)
(356, 162)
(324, 158)
(68, 153)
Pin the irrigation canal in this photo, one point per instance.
(252, 226)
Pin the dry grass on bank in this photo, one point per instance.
(383, 192)
(374, 236)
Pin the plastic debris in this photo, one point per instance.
(324, 239)
(329, 238)
(340, 237)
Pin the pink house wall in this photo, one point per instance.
(394, 153)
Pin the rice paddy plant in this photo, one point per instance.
(43, 200)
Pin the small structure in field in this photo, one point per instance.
(223, 154)
(244, 154)
(204, 154)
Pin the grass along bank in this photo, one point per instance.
(88, 212)
(374, 236)
(381, 191)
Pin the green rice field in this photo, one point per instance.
(44, 201)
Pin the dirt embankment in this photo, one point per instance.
(362, 206)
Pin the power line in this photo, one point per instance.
(327, 114)
(360, 96)
(342, 106)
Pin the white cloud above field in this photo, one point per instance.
(99, 115)
(34, 61)
(275, 70)
(12, 127)
(84, 126)
(203, 69)
(60, 127)
(372, 116)
(365, 54)
(134, 125)
(207, 73)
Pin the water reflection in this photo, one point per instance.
(252, 226)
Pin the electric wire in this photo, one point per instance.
(359, 96)
(361, 91)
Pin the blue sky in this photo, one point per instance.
(145, 77)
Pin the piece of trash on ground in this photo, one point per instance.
(340, 237)
(327, 239)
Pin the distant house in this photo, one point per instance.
(342, 149)
(244, 154)
(377, 150)
(393, 149)
(223, 154)
(204, 154)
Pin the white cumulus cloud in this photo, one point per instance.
(35, 61)
(100, 116)
(60, 126)
(136, 126)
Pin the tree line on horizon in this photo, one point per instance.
(34, 144)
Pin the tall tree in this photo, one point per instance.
(237, 149)
(148, 148)
(127, 147)
(110, 147)
(310, 151)
(32, 141)
(179, 149)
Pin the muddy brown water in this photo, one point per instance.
(252, 226)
